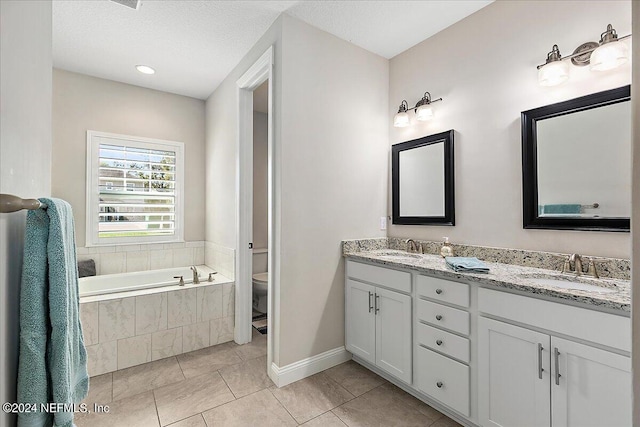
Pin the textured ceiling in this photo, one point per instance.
(193, 45)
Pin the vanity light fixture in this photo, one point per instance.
(608, 54)
(423, 111)
(145, 69)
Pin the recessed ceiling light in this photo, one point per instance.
(145, 69)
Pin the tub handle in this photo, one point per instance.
(181, 282)
(211, 279)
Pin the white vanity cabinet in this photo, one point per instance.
(378, 317)
(528, 377)
(443, 347)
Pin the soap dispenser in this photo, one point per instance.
(446, 249)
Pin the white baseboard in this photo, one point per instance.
(293, 372)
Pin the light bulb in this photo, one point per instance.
(424, 112)
(609, 56)
(553, 73)
(401, 120)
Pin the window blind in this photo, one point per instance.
(137, 192)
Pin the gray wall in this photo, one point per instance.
(330, 145)
(82, 103)
(334, 156)
(25, 156)
(485, 69)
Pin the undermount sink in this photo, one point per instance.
(400, 255)
(570, 284)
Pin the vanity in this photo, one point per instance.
(507, 348)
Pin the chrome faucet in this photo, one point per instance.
(577, 263)
(413, 246)
(196, 279)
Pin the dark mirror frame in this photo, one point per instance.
(530, 163)
(449, 212)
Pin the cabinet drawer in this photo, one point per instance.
(444, 342)
(393, 279)
(443, 317)
(443, 290)
(443, 379)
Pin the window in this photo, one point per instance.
(134, 190)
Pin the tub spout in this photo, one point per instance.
(196, 279)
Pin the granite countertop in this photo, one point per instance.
(509, 276)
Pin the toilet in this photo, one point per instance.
(260, 285)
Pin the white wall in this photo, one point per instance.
(25, 156)
(334, 181)
(82, 103)
(635, 221)
(260, 181)
(485, 69)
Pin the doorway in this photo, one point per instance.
(254, 87)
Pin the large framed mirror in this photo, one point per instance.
(576, 163)
(422, 180)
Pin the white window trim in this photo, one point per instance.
(93, 193)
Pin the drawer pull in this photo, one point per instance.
(438, 316)
(370, 303)
(439, 384)
(438, 291)
(439, 342)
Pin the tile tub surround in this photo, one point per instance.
(130, 258)
(509, 276)
(221, 258)
(131, 330)
(614, 268)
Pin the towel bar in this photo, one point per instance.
(11, 203)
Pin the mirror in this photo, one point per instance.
(576, 163)
(422, 180)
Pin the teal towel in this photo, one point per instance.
(562, 209)
(53, 360)
(461, 264)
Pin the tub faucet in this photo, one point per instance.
(577, 263)
(196, 279)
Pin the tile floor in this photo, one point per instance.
(227, 385)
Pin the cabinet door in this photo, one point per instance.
(593, 389)
(393, 333)
(360, 320)
(513, 376)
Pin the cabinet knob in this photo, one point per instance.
(439, 342)
(439, 384)
(439, 317)
(438, 291)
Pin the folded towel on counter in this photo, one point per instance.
(562, 209)
(461, 264)
(86, 268)
(52, 365)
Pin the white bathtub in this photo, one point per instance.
(152, 281)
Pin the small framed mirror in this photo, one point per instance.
(422, 181)
(575, 163)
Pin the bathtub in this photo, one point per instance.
(150, 281)
(133, 318)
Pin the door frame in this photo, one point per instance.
(257, 74)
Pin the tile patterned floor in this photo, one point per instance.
(227, 385)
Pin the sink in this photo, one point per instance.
(400, 255)
(570, 284)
